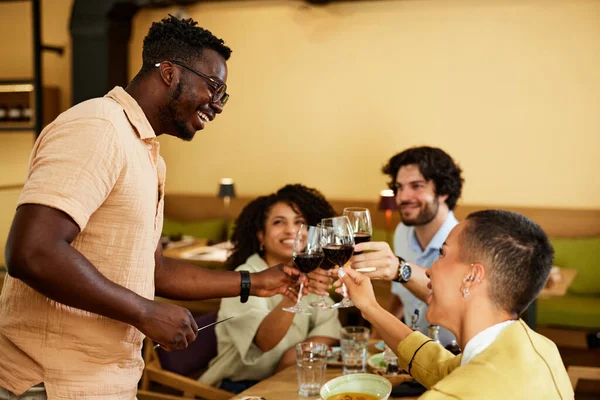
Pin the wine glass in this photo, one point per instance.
(325, 265)
(338, 246)
(307, 254)
(360, 221)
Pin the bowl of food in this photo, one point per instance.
(357, 387)
(377, 363)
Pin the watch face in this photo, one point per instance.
(405, 272)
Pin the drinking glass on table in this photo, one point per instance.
(360, 221)
(307, 254)
(311, 364)
(338, 246)
(354, 341)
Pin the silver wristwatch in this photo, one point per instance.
(404, 271)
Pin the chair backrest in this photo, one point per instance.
(197, 355)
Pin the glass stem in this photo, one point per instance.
(344, 289)
(300, 293)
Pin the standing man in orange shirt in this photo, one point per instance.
(83, 255)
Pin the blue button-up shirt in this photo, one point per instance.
(407, 246)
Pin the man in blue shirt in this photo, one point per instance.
(427, 184)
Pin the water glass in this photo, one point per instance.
(311, 364)
(354, 340)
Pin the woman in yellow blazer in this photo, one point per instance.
(491, 267)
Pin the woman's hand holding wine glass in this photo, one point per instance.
(307, 254)
(319, 281)
(338, 246)
(321, 278)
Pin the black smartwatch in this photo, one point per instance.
(404, 271)
(245, 286)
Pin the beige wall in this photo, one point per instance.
(14, 157)
(325, 95)
(17, 63)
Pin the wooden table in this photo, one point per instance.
(196, 246)
(559, 289)
(284, 386)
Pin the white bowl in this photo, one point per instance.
(377, 362)
(374, 385)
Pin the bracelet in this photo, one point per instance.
(245, 286)
(415, 353)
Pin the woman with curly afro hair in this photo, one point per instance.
(261, 339)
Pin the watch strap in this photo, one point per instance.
(245, 286)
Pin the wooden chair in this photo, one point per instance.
(180, 369)
(577, 372)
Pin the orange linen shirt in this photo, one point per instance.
(99, 163)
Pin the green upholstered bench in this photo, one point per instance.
(580, 307)
(380, 236)
(212, 229)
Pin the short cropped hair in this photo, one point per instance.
(434, 164)
(180, 40)
(516, 252)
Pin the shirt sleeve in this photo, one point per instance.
(242, 329)
(74, 167)
(325, 323)
(431, 362)
(396, 288)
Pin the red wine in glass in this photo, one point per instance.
(338, 254)
(308, 262)
(326, 264)
(361, 237)
(307, 254)
(338, 246)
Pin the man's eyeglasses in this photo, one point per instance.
(219, 87)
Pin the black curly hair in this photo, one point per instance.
(179, 39)
(308, 202)
(434, 164)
